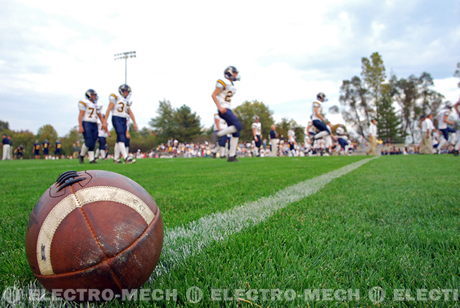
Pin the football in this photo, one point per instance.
(94, 230)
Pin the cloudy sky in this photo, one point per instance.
(51, 52)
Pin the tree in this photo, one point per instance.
(181, 123)
(415, 98)
(47, 132)
(246, 113)
(373, 74)
(164, 124)
(188, 125)
(388, 122)
(4, 126)
(354, 98)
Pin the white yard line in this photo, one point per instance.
(185, 241)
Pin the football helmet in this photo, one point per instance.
(321, 97)
(89, 95)
(229, 71)
(124, 87)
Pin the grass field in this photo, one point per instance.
(392, 223)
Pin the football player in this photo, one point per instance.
(120, 106)
(87, 124)
(221, 144)
(257, 133)
(222, 97)
(102, 139)
(457, 127)
(445, 126)
(36, 149)
(292, 142)
(6, 148)
(46, 148)
(342, 139)
(274, 140)
(319, 121)
(58, 149)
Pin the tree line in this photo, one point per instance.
(396, 103)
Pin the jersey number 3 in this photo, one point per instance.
(121, 108)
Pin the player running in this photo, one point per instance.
(222, 97)
(87, 124)
(319, 121)
(445, 125)
(221, 144)
(120, 106)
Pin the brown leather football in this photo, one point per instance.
(94, 230)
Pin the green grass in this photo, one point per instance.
(392, 223)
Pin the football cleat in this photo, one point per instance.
(93, 162)
(130, 160)
(232, 159)
(81, 159)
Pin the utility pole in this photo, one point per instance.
(125, 55)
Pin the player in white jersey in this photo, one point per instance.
(342, 138)
(257, 134)
(120, 106)
(445, 125)
(102, 139)
(319, 121)
(222, 97)
(426, 146)
(87, 124)
(221, 144)
(457, 127)
(292, 142)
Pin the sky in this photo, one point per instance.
(51, 52)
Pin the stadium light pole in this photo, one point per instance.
(125, 55)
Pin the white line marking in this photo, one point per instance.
(185, 241)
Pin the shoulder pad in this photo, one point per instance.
(222, 83)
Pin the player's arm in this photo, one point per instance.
(216, 92)
(446, 120)
(131, 115)
(81, 114)
(109, 108)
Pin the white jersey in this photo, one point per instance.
(316, 104)
(444, 112)
(373, 130)
(427, 125)
(257, 127)
(228, 90)
(291, 135)
(91, 110)
(222, 123)
(121, 105)
(101, 131)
